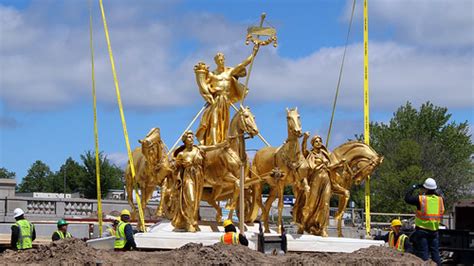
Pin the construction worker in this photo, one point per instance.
(111, 230)
(124, 234)
(23, 232)
(62, 232)
(231, 237)
(430, 209)
(395, 238)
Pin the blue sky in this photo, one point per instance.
(419, 51)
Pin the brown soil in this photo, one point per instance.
(75, 252)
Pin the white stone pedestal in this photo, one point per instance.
(162, 236)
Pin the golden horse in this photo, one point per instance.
(281, 166)
(356, 161)
(222, 167)
(151, 168)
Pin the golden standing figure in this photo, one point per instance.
(331, 173)
(219, 88)
(189, 181)
(315, 213)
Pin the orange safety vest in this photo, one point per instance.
(400, 244)
(230, 238)
(430, 213)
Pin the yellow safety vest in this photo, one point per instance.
(120, 238)
(111, 231)
(25, 240)
(400, 244)
(62, 235)
(430, 213)
(230, 238)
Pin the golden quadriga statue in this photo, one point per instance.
(314, 175)
(219, 88)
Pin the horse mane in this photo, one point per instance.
(355, 144)
(348, 151)
(233, 120)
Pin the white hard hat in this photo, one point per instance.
(430, 183)
(18, 212)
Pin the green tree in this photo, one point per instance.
(418, 144)
(111, 176)
(38, 179)
(4, 173)
(69, 177)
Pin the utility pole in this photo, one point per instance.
(64, 179)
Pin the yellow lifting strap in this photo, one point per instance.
(119, 100)
(366, 112)
(96, 131)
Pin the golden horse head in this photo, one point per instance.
(151, 145)
(247, 122)
(294, 122)
(361, 160)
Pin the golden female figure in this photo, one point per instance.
(219, 88)
(189, 161)
(315, 216)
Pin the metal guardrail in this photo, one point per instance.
(356, 216)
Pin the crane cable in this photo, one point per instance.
(124, 124)
(340, 74)
(96, 131)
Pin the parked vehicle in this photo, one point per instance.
(457, 244)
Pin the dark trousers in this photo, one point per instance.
(426, 243)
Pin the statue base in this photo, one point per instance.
(162, 236)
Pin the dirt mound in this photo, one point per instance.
(377, 255)
(75, 252)
(67, 251)
(217, 254)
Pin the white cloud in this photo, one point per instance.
(119, 159)
(428, 23)
(46, 64)
(397, 74)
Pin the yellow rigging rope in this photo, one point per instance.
(366, 112)
(96, 131)
(124, 124)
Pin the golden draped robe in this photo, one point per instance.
(215, 120)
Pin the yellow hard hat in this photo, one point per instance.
(115, 220)
(396, 222)
(227, 222)
(125, 212)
